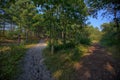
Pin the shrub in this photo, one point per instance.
(10, 57)
(59, 47)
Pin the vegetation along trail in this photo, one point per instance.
(33, 67)
(97, 65)
(71, 29)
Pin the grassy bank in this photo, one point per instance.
(10, 57)
(63, 63)
(114, 51)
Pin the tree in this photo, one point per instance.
(60, 14)
(110, 36)
(22, 13)
(111, 7)
(61, 20)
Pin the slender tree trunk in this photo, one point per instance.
(12, 26)
(4, 27)
(0, 28)
(27, 35)
(64, 32)
(65, 36)
(52, 39)
(115, 18)
(20, 27)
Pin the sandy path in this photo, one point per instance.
(98, 65)
(33, 66)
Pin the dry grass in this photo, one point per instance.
(63, 63)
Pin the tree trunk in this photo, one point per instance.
(11, 26)
(26, 36)
(115, 18)
(4, 28)
(52, 49)
(64, 34)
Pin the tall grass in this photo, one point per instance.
(62, 63)
(10, 57)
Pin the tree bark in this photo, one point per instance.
(26, 35)
(4, 28)
(12, 29)
(115, 18)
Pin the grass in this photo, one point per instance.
(114, 51)
(62, 63)
(10, 57)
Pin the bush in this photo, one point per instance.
(85, 41)
(59, 47)
(62, 64)
(9, 60)
(111, 38)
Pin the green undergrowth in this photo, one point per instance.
(112, 45)
(62, 62)
(114, 51)
(10, 58)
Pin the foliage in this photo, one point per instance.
(84, 37)
(24, 15)
(10, 57)
(107, 5)
(59, 47)
(10, 60)
(60, 15)
(95, 33)
(111, 37)
(62, 63)
(109, 34)
(61, 21)
(111, 31)
(12, 35)
(111, 7)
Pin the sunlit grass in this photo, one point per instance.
(64, 63)
(4, 48)
(57, 73)
(77, 65)
(29, 45)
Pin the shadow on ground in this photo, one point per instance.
(98, 65)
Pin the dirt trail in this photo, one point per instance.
(98, 65)
(33, 66)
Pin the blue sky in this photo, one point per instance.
(96, 22)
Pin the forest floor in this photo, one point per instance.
(98, 64)
(32, 65)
